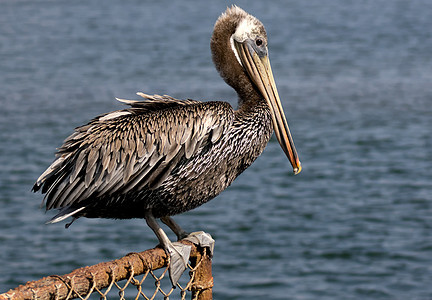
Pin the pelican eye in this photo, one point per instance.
(258, 42)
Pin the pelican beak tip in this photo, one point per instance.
(298, 169)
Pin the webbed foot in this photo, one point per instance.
(179, 257)
(178, 253)
(202, 239)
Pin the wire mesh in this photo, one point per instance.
(142, 275)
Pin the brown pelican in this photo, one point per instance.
(163, 156)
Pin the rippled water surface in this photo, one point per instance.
(355, 80)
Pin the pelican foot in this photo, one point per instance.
(179, 257)
(202, 239)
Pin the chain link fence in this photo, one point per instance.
(142, 275)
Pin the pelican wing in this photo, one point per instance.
(131, 149)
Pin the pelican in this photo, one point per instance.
(162, 156)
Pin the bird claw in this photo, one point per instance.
(179, 257)
(202, 239)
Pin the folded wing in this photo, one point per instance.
(131, 149)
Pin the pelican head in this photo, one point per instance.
(240, 54)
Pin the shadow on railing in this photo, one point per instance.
(132, 270)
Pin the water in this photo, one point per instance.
(355, 80)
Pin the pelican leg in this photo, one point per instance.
(200, 238)
(180, 233)
(179, 253)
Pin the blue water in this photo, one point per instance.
(355, 80)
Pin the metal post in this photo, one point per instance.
(202, 283)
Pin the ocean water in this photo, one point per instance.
(355, 81)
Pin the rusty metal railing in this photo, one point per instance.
(123, 274)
